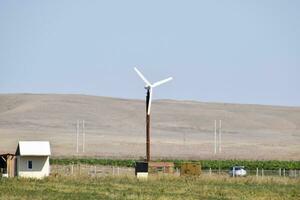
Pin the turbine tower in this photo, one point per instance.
(149, 87)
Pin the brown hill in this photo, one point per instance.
(181, 129)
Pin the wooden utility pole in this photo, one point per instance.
(148, 126)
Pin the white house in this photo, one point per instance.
(33, 159)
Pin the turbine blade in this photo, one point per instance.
(162, 82)
(150, 102)
(142, 77)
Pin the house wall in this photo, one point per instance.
(40, 166)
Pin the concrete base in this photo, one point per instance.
(142, 175)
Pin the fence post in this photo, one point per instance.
(262, 172)
(279, 171)
(95, 170)
(118, 171)
(113, 170)
(210, 171)
(256, 172)
(284, 172)
(72, 169)
(233, 172)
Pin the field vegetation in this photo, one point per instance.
(206, 164)
(203, 187)
(159, 186)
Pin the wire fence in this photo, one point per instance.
(258, 172)
(90, 170)
(100, 171)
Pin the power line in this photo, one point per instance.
(78, 130)
(220, 136)
(77, 136)
(83, 136)
(215, 136)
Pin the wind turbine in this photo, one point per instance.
(149, 87)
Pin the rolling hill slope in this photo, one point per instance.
(181, 129)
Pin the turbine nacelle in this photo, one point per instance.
(149, 87)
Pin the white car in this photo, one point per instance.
(237, 171)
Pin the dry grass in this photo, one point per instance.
(116, 127)
(204, 187)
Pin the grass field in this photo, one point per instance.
(204, 187)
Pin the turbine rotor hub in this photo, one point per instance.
(147, 87)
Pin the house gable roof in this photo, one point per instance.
(33, 148)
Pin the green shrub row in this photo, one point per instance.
(249, 164)
(206, 164)
(91, 161)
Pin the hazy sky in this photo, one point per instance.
(217, 51)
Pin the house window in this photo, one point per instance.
(29, 164)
